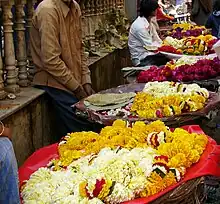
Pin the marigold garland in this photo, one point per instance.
(147, 106)
(187, 26)
(181, 148)
(79, 144)
(131, 162)
(157, 184)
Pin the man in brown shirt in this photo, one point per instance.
(61, 70)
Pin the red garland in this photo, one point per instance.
(201, 70)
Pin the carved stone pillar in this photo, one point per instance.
(101, 6)
(111, 5)
(21, 43)
(92, 4)
(2, 91)
(96, 7)
(107, 7)
(29, 15)
(83, 8)
(121, 4)
(9, 52)
(88, 8)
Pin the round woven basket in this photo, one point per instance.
(191, 192)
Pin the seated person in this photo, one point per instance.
(9, 191)
(213, 21)
(143, 38)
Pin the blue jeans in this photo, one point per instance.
(9, 191)
(65, 117)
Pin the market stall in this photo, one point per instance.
(173, 103)
(192, 53)
(142, 155)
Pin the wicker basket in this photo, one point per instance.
(191, 192)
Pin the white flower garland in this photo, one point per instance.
(129, 170)
(160, 89)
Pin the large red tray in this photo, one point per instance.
(209, 164)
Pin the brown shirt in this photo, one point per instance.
(56, 46)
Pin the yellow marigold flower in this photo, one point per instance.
(177, 161)
(119, 123)
(169, 179)
(157, 184)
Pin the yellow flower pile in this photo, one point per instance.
(196, 45)
(157, 184)
(182, 149)
(187, 26)
(81, 144)
(191, 45)
(147, 106)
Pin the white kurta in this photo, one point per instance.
(142, 34)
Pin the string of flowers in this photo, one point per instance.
(147, 106)
(201, 45)
(182, 70)
(180, 31)
(155, 159)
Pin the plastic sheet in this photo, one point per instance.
(81, 109)
(209, 164)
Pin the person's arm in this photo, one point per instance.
(145, 38)
(51, 50)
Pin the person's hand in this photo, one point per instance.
(80, 93)
(88, 89)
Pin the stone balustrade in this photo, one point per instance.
(16, 65)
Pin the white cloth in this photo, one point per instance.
(142, 34)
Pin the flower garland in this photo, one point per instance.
(186, 26)
(183, 30)
(164, 99)
(115, 175)
(160, 89)
(201, 45)
(147, 106)
(182, 70)
(185, 60)
(76, 145)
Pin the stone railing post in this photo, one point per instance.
(29, 15)
(9, 51)
(21, 53)
(2, 91)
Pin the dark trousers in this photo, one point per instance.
(65, 117)
(156, 60)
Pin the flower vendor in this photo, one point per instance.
(214, 19)
(61, 70)
(9, 192)
(143, 38)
